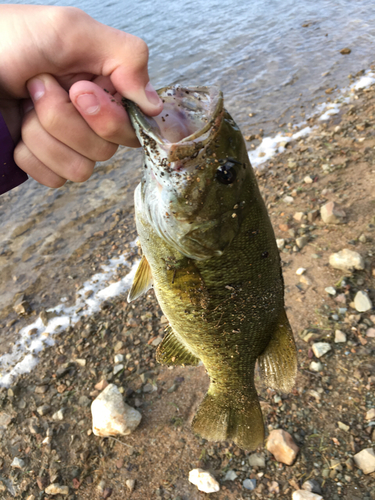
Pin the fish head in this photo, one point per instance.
(196, 175)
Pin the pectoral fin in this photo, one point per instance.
(172, 352)
(142, 280)
(278, 362)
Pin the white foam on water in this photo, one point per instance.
(35, 337)
(271, 146)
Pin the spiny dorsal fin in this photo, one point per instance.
(142, 280)
(172, 352)
(278, 362)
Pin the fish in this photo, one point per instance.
(209, 252)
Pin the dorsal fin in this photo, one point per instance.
(142, 280)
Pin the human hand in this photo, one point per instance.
(76, 70)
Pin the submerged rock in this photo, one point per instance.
(111, 416)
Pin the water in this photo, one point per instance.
(271, 58)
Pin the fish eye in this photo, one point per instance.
(226, 174)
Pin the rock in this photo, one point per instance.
(21, 306)
(100, 386)
(308, 180)
(280, 443)
(320, 348)
(111, 416)
(347, 260)
(300, 271)
(343, 426)
(345, 51)
(370, 415)
(365, 460)
(362, 302)
(316, 366)
(130, 483)
(298, 216)
(330, 290)
(204, 481)
(305, 280)
(302, 241)
(230, 476)
(274, 487)
(340, 336)
(18, 463)
(280, 242)
(117, 369)
(305, 495)
(119, 358)
(331, 214)
(59, 415)
(288, 199)
(257, 460)
(5, 420)
(84, 401)
(56, 489)
(311, 485)
(43, 410)
(249, 484)
(370, 332)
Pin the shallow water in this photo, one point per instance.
(273, 59)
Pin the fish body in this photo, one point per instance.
(210, 253)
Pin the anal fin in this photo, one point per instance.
(278, 362)
(142, 280)
(172, 352)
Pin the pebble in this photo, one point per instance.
(370, 415)
(300, 271)
(43, 410)
(119, 358)
(56, 489)
(280, 443)
(298, 216)
(288, 199)
(330, 290)
(347, 260)
(100, 386)
(305, 495)
(117, 369)
(370, 332)
(249, 484)
(130, 483)
(257, 460)
(320, 348)
(340, 336)
(316, 366)
(308, 180)
(230, 476)
(111, 416)
(362, 302)
(204, 481)
(311, 485)
(17, 463)
(332, 214)
(280, 242)
(59, 415)
(365, 460)
(302, 241)
(343, 426)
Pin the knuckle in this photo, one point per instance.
(139, 50)
(55, 183)
(81, 169)
(107, 152)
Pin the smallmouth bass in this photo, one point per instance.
(210, 253)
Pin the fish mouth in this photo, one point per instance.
(190, 117)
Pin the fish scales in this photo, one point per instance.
(210, 253)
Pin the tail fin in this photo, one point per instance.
(226, 415)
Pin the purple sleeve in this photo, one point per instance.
(10, 175)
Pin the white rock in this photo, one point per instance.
(119, 358)
(307, 180)
(111, 416)
(302, 241)
(305, 495)
(330, 290)
(280, 242)
(257, 460)
(130, 483)
(370, 415)
(17, 463)
(340, 336)
(365, 460)
(300, 271)
(288, 199)
(204, 481)
(59, 415)
(230, 476)
(320, 348)
(331, 214)
(316, 366)
(117, 369)
(347, 260)
(362, 302)
(249, 484)
(56, 489)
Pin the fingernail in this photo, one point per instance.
(36, 89)
(152, 95)
(89, 103)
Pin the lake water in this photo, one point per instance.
(272, 59)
